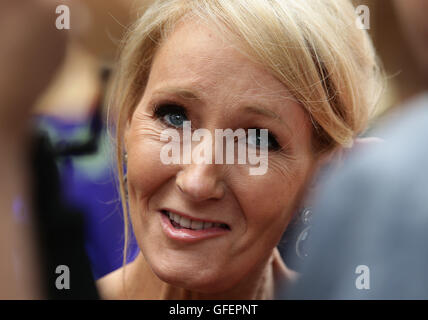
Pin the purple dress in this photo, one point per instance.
(89, 184)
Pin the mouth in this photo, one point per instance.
(183, 228)
(181, 222)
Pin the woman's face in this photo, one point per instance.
(196, 76)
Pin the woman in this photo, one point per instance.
(301, 70)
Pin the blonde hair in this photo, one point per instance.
(313, 47)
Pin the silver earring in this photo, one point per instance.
(305, 217)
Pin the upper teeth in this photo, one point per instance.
(192, 224)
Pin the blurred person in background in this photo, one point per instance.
(27, 35)
(72, 112)
(397, 44)
(369, 231)
(41, 228)
(400, 35)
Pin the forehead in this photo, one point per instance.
(198, 58)
(196, 52)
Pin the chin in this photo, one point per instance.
(192, 278)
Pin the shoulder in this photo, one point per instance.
(373, 173)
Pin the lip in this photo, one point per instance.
(188, 235)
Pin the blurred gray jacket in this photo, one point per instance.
(369, 238)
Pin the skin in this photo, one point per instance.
(244, 263)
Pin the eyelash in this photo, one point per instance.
(164, 109)
(271, 136)
(161, 110)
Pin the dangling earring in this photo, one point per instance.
(305, 217)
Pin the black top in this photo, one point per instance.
(59, 230)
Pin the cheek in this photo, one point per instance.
(146, 172)
(269, 204)
(269, 201)
(143, 179)
(146, 175)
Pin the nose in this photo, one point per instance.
(199, 182)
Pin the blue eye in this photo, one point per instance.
(175, 119)
(171, 114)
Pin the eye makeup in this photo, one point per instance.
(273, 144)
(173, 115)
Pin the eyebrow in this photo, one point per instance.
(263, 112)
(182, 92)
(257, 109)
(191, 95)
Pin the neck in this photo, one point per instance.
(142, 283)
